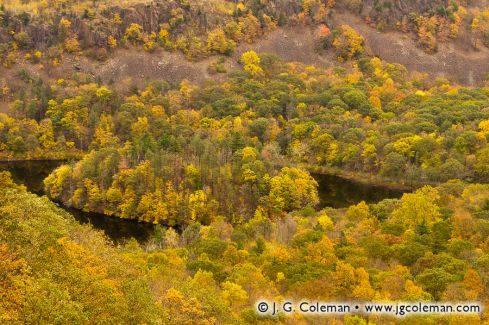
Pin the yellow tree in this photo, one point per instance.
(292, 189)
(13, 276)
(179, 309)
(152, 208)
(321, 252)
(344, 276)
(418, 208)
(472, 284)
(363, 290)
(134, 33)
(234, 295)
(251, 62)
(94, 196)
(348, 43)
(218, 42)
(104, 133)
(358, 212)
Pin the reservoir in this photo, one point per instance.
(334, 191)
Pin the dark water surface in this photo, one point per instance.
(32, 174)
(338, 192)
(334, 191)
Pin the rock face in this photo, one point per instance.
(452, 61)
(91, 32)
(407, 6)
(292, 43)
(391, 11)
(195, 18)
(95, 30)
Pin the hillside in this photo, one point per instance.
(454, 60)
(212, 124)
(54, 270)
(90, 41)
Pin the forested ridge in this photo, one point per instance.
(222, 145)
(223, 160)
(429, 245)
(222, 167)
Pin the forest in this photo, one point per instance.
(224, 169)
(430, 245)
(48, 30)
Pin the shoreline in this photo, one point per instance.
(63, 158)
(356, 177)
(366, 179)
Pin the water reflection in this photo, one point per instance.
(32, 174)
(333, 191)
(338, 192)
(117, 229)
